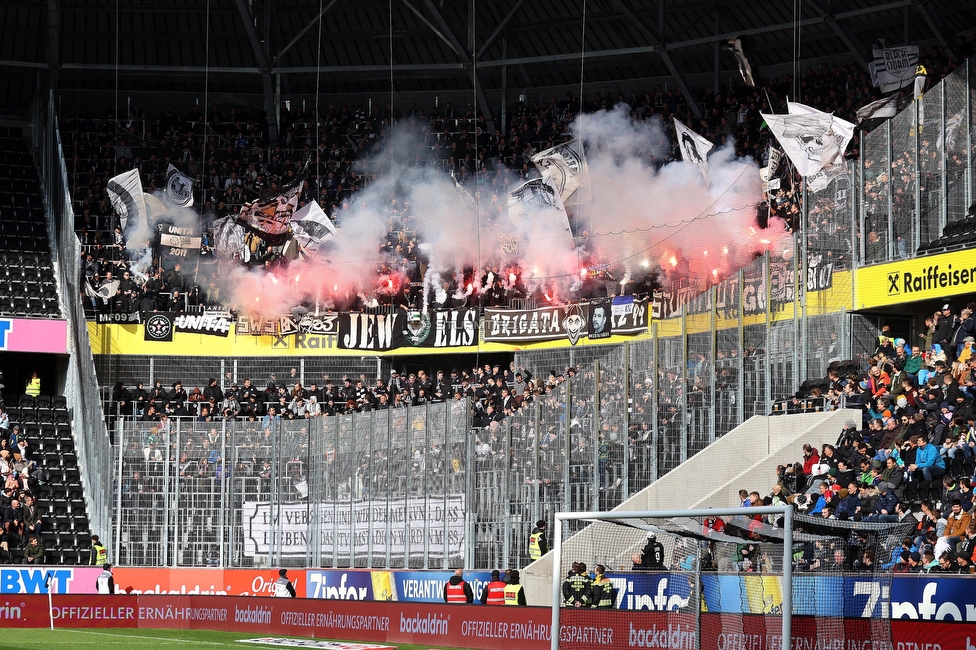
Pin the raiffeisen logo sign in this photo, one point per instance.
(925, 278)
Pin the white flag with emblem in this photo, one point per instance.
(694, 148)
(893, 67)
(311, 228)
(565, 165)
(813, 140)
(179, 187)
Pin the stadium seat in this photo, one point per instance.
(59, 403)
(25, 401)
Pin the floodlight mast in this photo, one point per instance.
(787, 590)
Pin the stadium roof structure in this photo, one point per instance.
(275, 48)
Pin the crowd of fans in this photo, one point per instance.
(226, 151)
(914, 448)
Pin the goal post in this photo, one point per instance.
(643, 521)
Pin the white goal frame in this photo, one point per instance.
(787, 587)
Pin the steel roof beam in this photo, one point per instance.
(305, 29)
(270, 102)
(846, 37)
(652, 35)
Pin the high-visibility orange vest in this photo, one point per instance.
(496, 593)
(455, 593)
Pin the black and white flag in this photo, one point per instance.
(813, 140)
(881, 109)
(565, 165)
(745, 68)
(893, 68)
(311, 228)
(125, 193)
(179, 187)
(694, 148)
(536, 196)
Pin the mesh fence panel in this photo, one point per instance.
(875, 206)
(902, 226)
(931, 212)
(956, 138)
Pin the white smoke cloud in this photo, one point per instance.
(641, 215)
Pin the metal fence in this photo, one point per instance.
(81, 386)
(917, 171)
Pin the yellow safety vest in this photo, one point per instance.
(33, 387)
(512, 594)
(602, 592)
(535, 551)
(101, 554)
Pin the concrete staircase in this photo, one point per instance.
(746, 457)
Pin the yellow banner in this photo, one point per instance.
(118, 339)
(922, 278)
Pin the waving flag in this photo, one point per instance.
(813, 140)
(881, 109)
(565, 165)
(125, 193)
(311, 228)
(893, 68)
(271, 216)
(179, 187)
(694, 148)
(229, 239)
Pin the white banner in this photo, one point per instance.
(893, 67)
(565, 165)
(179, 241)
(413, 526)
(694, 148)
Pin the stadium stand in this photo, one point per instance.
(640, 418)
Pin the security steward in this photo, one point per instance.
(514, 594)
(576, 587)
(601, 589)
(457, 591)
(99, 554)
(538, 544)
(105, 582)
(283, 587)
(494, 591)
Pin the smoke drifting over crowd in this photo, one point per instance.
(638, 217)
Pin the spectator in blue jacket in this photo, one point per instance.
(928, 464)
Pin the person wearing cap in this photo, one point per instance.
(212, 391)
(99, 554)
(105, 582)
(283, 588)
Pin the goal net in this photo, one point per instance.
(722, 579)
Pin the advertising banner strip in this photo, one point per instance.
(466, 626)
(924, 278)
(33, 335)
(594, 319)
